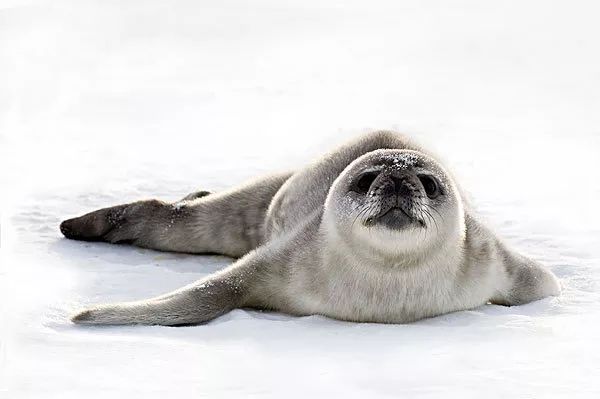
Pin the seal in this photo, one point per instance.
(376, 231)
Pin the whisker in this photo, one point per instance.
(430, 216)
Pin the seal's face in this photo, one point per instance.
(397, 200)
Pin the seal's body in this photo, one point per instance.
(375, 231)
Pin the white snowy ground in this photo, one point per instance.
(104, 102)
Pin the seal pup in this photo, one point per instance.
(375, 231)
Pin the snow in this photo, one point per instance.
(105, 102)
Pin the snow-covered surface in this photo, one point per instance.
(104, 102)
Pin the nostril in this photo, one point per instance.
(364, 182)
(431, 186)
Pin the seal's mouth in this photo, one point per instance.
(395, 209)
(395, 218)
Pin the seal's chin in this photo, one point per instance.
(396, 218)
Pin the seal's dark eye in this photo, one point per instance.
(363, 184)
(431, 186)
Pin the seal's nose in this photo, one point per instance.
(401, 186)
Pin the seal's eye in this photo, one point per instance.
(363, 184)
(431, 186)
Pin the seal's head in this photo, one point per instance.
(396, 201)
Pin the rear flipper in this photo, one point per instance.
(229, 223)
(196, 303)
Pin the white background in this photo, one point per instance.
(104, 102)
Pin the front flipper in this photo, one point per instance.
(526, 280)
(199, 302)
